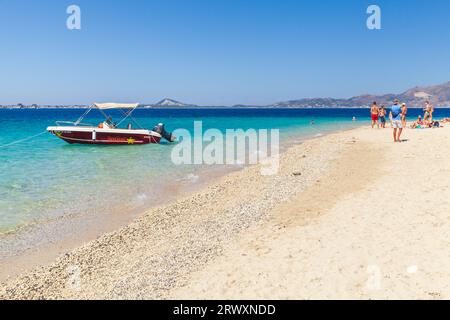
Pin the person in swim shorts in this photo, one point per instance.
(374, 114)
(397, 117)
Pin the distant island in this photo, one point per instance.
(438, 95)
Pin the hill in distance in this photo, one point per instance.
(438, 95)
(172, 103)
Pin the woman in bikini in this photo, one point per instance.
(428, 112)
(418, 124)
(405, 110)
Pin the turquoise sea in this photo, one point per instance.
(45, 178)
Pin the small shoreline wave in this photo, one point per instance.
(192, 178)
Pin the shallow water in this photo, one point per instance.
(45, 178)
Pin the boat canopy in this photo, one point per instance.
(104, 106)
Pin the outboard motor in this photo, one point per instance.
(159, 128)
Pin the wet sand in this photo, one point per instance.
(41, 242)
(330, 224)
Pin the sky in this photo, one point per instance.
(218, 52)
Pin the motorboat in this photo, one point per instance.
(108, 132)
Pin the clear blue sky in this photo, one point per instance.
(218, 52)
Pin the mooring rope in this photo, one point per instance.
(22, 140)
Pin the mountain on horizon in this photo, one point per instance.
(172, 103)
(438, 95)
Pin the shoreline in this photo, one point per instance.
(43, 241)
(232, 238)
(414, 107)
(377, 228)
(59, 235)
(207, 192)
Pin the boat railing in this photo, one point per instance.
(74, 123)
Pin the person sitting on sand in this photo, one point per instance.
(397, 116)
(417, 124)
(435, 124)
(374, 115)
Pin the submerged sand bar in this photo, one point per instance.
(350, 215)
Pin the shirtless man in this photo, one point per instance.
(428, 115)
(374, 111)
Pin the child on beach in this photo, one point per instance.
(382, 117)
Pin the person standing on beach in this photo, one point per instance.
(397, 117)
(404, 111)
(382, 117)
(427, 117)
(431, 113)
(374, 114)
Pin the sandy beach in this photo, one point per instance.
(350, 215)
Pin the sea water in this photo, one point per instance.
(45, 178)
